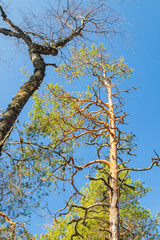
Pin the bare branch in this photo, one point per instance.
(155, 162)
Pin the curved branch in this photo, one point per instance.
(13, 224)
(26, 91)
(155, 162)
(93, 162)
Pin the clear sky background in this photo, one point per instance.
(142, 53)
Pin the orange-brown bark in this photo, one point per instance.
(114, 198)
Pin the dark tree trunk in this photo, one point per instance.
(12, 112)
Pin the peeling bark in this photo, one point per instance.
(114, 194)
(114, 198)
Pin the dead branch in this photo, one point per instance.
(155, 162)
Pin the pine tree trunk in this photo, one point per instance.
(114, 198)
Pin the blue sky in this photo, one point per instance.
(143, 56)
(142, 53)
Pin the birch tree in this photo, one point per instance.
(64, 21)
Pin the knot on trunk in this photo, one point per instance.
(42, 49)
